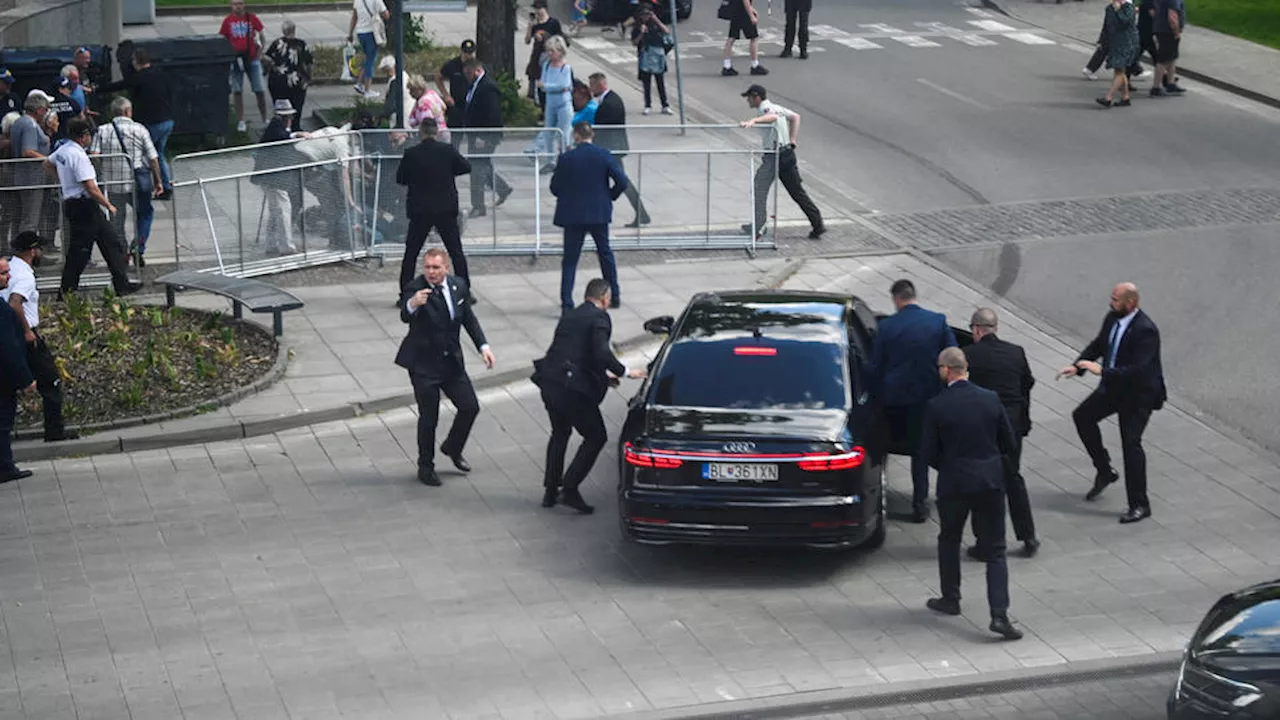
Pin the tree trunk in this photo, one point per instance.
(496, 35)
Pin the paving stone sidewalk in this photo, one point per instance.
(308, 575)
(1208, 54)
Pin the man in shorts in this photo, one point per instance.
(744, 21)
(244, 31)
(1170, 17)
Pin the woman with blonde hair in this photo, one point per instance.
(427, 104)
(557, 83)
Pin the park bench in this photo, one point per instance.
(261, 297)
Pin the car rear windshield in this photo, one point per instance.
(752, 375)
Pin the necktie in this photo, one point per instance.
(444, 297)
(1111, 346)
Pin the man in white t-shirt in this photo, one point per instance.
(15, 378)
(23, 297)
(783, 164)
(82, 204)
(330, 182)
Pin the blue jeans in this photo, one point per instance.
(8, 412)
(558, 119)
(370, 47)
(160, 133)
(574, 236)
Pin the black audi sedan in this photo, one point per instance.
(1231, 668)
(754, 426)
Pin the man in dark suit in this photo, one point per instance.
(1002, 368)
(437, 305)
(429, 169)
(586, 182)
(966, 435)
(15, 377)
(483, 110)
(796, 10)
(1132, 386)
(902, 369)
(612, 112)
(574, 377)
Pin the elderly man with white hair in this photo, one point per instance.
(130, 180)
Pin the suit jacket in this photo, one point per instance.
(966, 436)
(580, 354)
(586, 181)
(433, 346)
(612, 111)
(15, 374)
(429, 169)
(484, 111)
(904, 357)
(1137, 380)
(1002, 368)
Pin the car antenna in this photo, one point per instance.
(755, 332)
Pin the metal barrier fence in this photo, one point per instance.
(31, 199)
(267, 208)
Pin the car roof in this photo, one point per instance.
(780, 314)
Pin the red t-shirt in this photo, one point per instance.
(241, 32)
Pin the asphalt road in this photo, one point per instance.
(964, 127)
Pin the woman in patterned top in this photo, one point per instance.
(427, 104)
(291, 64)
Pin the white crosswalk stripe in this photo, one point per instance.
(1027, 38)
(991, 26)
(915, 41)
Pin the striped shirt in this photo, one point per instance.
(117, 173)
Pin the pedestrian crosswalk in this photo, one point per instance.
(985, 31)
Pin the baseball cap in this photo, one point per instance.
(64, 82)
(37, 92)
(757, 90)
(26, 240)
(6, 76)
(468, 46)
(284, 107)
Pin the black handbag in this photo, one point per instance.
(726, 9)
(141, 175)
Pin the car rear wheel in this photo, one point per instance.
(877, 537)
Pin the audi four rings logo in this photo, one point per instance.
(739, 447)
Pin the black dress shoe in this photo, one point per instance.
(502, 197)
(945, 606)
(458, 461)
(786, 53)
(428, 476)
(817, 232)
(1134, 515)
(477, 212)
(804, 54)
(15, 474)
(1030, 548)
(1001, 625)
(573, 499)
(549, 497)
(615, 303)
(639, 221)
(64, 435)
(1100, 483)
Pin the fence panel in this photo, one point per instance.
(31, 199)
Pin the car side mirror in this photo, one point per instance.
(660, 325)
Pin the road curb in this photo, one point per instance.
(920, 691)
(1182, 70)
(240, 430)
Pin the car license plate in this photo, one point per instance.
(740, 472)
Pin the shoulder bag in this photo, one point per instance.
(141, 175)
(379, 27)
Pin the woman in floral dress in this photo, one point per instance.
(1121, 30)
(427, 104)
(291, 64)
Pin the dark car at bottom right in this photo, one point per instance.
(1231, 667)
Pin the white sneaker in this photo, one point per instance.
(241, 127)
(358, 88)
(648, 110)
(667, 111)
(1088, 75)
(372, 94)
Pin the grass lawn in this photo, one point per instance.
(1256, 20)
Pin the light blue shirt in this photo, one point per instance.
(588, 113)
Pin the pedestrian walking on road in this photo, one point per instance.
(797, 12)
(905, 377)
(1169, 20)
(778, 161)
(23, 298)
(1131, 386)
(744, 22)
(966, 435)
(1002, 368)
(1121, 30)
(429, 171)
(437, 306)
(15, 378)
(483, 112)
(1102, 50)
(82, 204)
(586, 183)
(652, 39)
(574, 377)
(611, 115)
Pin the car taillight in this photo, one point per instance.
(642, 458)
(843, 461)
(756, 351)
